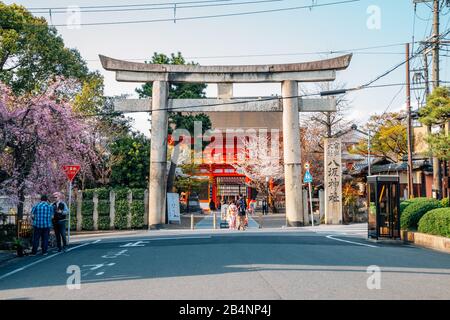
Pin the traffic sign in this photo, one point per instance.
(71, 171)
(308, 177)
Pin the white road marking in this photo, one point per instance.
(135, 244)
(180, 238)
(115, 255)
(43, 259)
(360, 244)
(159, 239)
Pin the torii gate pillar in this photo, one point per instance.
(292, 154)
(158, 155)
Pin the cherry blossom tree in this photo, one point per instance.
(263, 160)
(39, 133)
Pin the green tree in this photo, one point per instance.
(178, 120)
(130, 155)
(176, 90)
(32, 53)
(388, 137)
(437, 113)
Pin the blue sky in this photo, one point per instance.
(339, 27)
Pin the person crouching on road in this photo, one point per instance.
(59, 220)
(42, 215)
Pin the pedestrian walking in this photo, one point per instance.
(231, 215)
(59, 220)
(223, 211)
(212, 205)
(242, 213)
(264, 207)
(42, 215)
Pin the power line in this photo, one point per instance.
(213, 16)
(134, 5)
(153, 8)
(276, 97)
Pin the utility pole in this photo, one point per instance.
(435, 40)
(425, 74)
(437, 180)
(437, 174)
(409, 126)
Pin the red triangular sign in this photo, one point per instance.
(71, 171)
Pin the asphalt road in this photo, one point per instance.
(302, 263)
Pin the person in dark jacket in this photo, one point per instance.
(59, 220)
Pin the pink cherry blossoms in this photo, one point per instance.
(39, 133)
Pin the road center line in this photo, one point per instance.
(360, 244)
(43, 259)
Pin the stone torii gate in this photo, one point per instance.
(289, 75)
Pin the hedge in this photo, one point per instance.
(103, 207)
(436, 222)
(445, 203)
(404, 204)
(415, 210)
(87, 223)
(87, 208)
(104, 223)
(137, 214)
(121, 218)
(121, 194)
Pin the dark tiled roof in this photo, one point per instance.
(391, 167)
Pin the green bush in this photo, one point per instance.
(436, 222)
(138, 194)
(87, 208)
(103, 208)
(73, 216)
(87, 223)
(88, 194)
(121, 217)
(404, 204)
(73, 222)
(137, 214)
(103, 193)
(445, 203)
(103, 222)
(415, 210)
(121, 193)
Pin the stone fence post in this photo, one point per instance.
(95, 213)
(112, 209)
(130, 201)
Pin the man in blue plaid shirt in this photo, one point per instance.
(42, 214)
